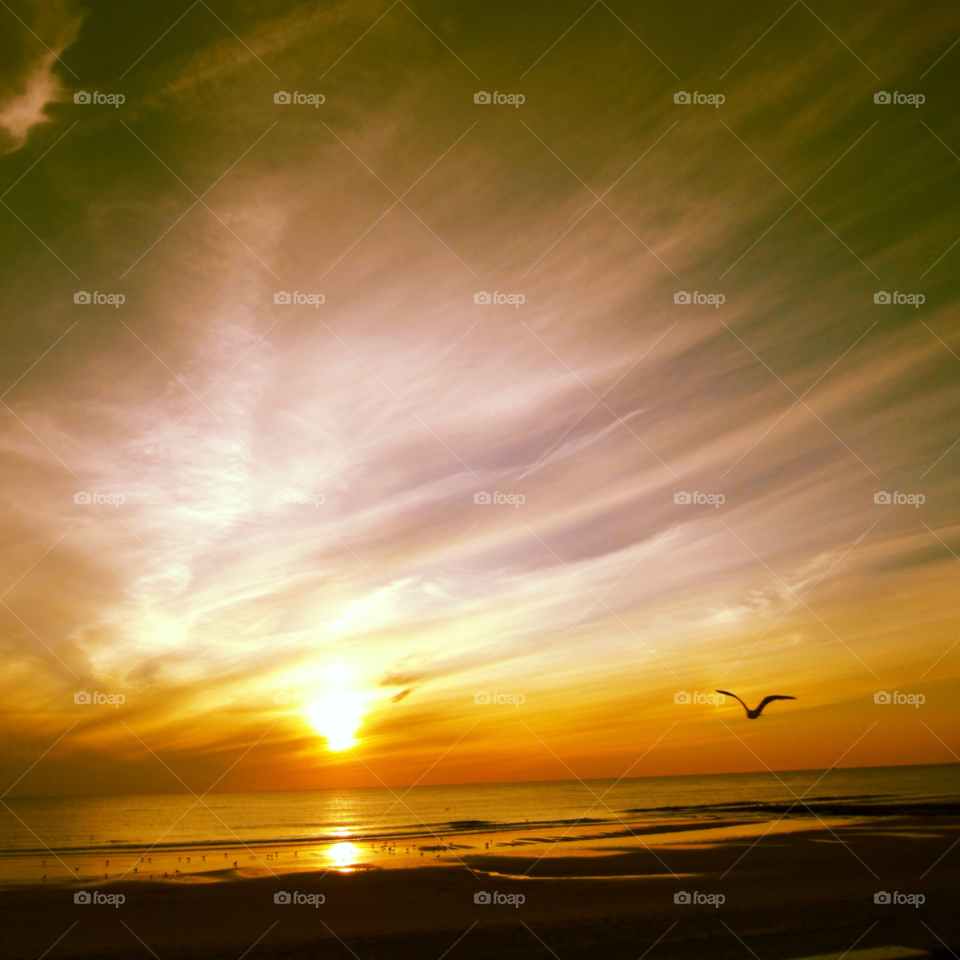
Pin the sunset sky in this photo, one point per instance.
(211, 410)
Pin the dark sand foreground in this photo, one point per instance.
(793, 895)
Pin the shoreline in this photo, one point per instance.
(612, 902)
(591, 846)
(350, 853)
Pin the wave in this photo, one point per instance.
(875, 806)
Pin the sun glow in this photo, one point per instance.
(338, 714)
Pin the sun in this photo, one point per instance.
(337, 716)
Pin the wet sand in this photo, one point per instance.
(795, 894)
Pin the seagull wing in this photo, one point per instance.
(766, 700)
(727, 693)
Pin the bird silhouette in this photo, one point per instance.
(753, 714)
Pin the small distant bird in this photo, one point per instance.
(753, 714)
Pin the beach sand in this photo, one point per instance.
(794, 894)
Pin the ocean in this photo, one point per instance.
(67, 836)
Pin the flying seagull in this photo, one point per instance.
(753, 714)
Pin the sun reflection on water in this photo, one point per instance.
(343, 854)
